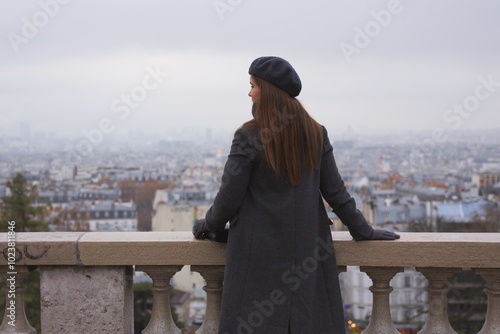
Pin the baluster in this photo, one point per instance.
(214, 276)
(161, 317)
(381, 321)
(492, 322)
(437, 316)
(15, 320)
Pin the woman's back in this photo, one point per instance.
(279, 245)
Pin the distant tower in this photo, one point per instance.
(75, 172)
(381, 164)
(208, 135)
(25, 130)
(350, 132)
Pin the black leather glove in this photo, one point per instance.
(379, 234)
(202, 231)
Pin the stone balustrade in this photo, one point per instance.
(86, 278)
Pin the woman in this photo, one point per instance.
(281, 272)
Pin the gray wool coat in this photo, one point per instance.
(281, 272)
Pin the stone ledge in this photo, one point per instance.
(451, 250)
(43, 248)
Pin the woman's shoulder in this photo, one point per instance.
(248, 128)
(324, 132)
(247, 132)
(247, 140)
(323, 128)
(327, 145)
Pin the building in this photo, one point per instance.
(57, 198)
(98, 216)
(466, 215)
(386, 211)
(486, 178)
(99, 193)
(177, 210)
(113, 216)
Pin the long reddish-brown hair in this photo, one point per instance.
(291, 138)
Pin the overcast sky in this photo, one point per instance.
(72, 66)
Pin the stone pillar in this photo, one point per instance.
(86, 299)
(437, 316)
(381, 321)
(214, 276)
(161, 317)
(492, 290)
(15, 320)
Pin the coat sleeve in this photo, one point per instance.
(235, 178)
(335, 193)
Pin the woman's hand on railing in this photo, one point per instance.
(379, 234)
(201, 231)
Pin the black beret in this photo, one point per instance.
(277, 71)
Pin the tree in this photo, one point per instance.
(71, 219)
(492, 218)
(143, 196)
(19, 207)
(127, 189)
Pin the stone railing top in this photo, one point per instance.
(451, 250)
